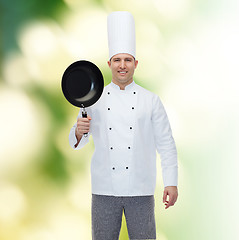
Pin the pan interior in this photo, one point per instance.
(82, 83)
(78, 84)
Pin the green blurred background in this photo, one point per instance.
(188, 55)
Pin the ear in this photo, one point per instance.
(136, 63)
(109, 63)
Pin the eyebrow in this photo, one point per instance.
(127, 58)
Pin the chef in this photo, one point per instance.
(128, 125)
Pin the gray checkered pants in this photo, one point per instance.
(107, 217)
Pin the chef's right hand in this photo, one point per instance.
(83, 126)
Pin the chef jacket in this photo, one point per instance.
(127, 127)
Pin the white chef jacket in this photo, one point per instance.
(127, 127)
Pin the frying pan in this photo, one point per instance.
(82, 84)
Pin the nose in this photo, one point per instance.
(122, 64)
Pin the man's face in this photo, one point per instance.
(122, 66)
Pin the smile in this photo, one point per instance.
(122, 72)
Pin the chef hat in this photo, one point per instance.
(121, 33)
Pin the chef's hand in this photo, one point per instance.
(83, 126)
(170, 196)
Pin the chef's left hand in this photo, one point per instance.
(170, 196)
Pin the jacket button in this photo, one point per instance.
(108, 92)
(113, 168)
(127, 168)
(134, 92)
(108, 108)
(133, 108)
(128, 147)
(111, 148)
(110, 128)
(130, 128)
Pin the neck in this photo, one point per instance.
(122, 85)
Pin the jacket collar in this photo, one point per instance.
(127, 88)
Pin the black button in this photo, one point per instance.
(130, 128)
(113, 168)
(111, 148)
(108, 92)
(110, 128)
(134, 92)
(133, 108)
(128, 147)
(127, 168)
(108, 108)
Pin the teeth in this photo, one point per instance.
(122, 72)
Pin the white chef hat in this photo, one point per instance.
(121, 33)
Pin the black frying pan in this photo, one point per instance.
(82, 84)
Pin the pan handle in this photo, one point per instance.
(84, 115)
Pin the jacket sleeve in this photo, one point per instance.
(72, 137)
(165, 144)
